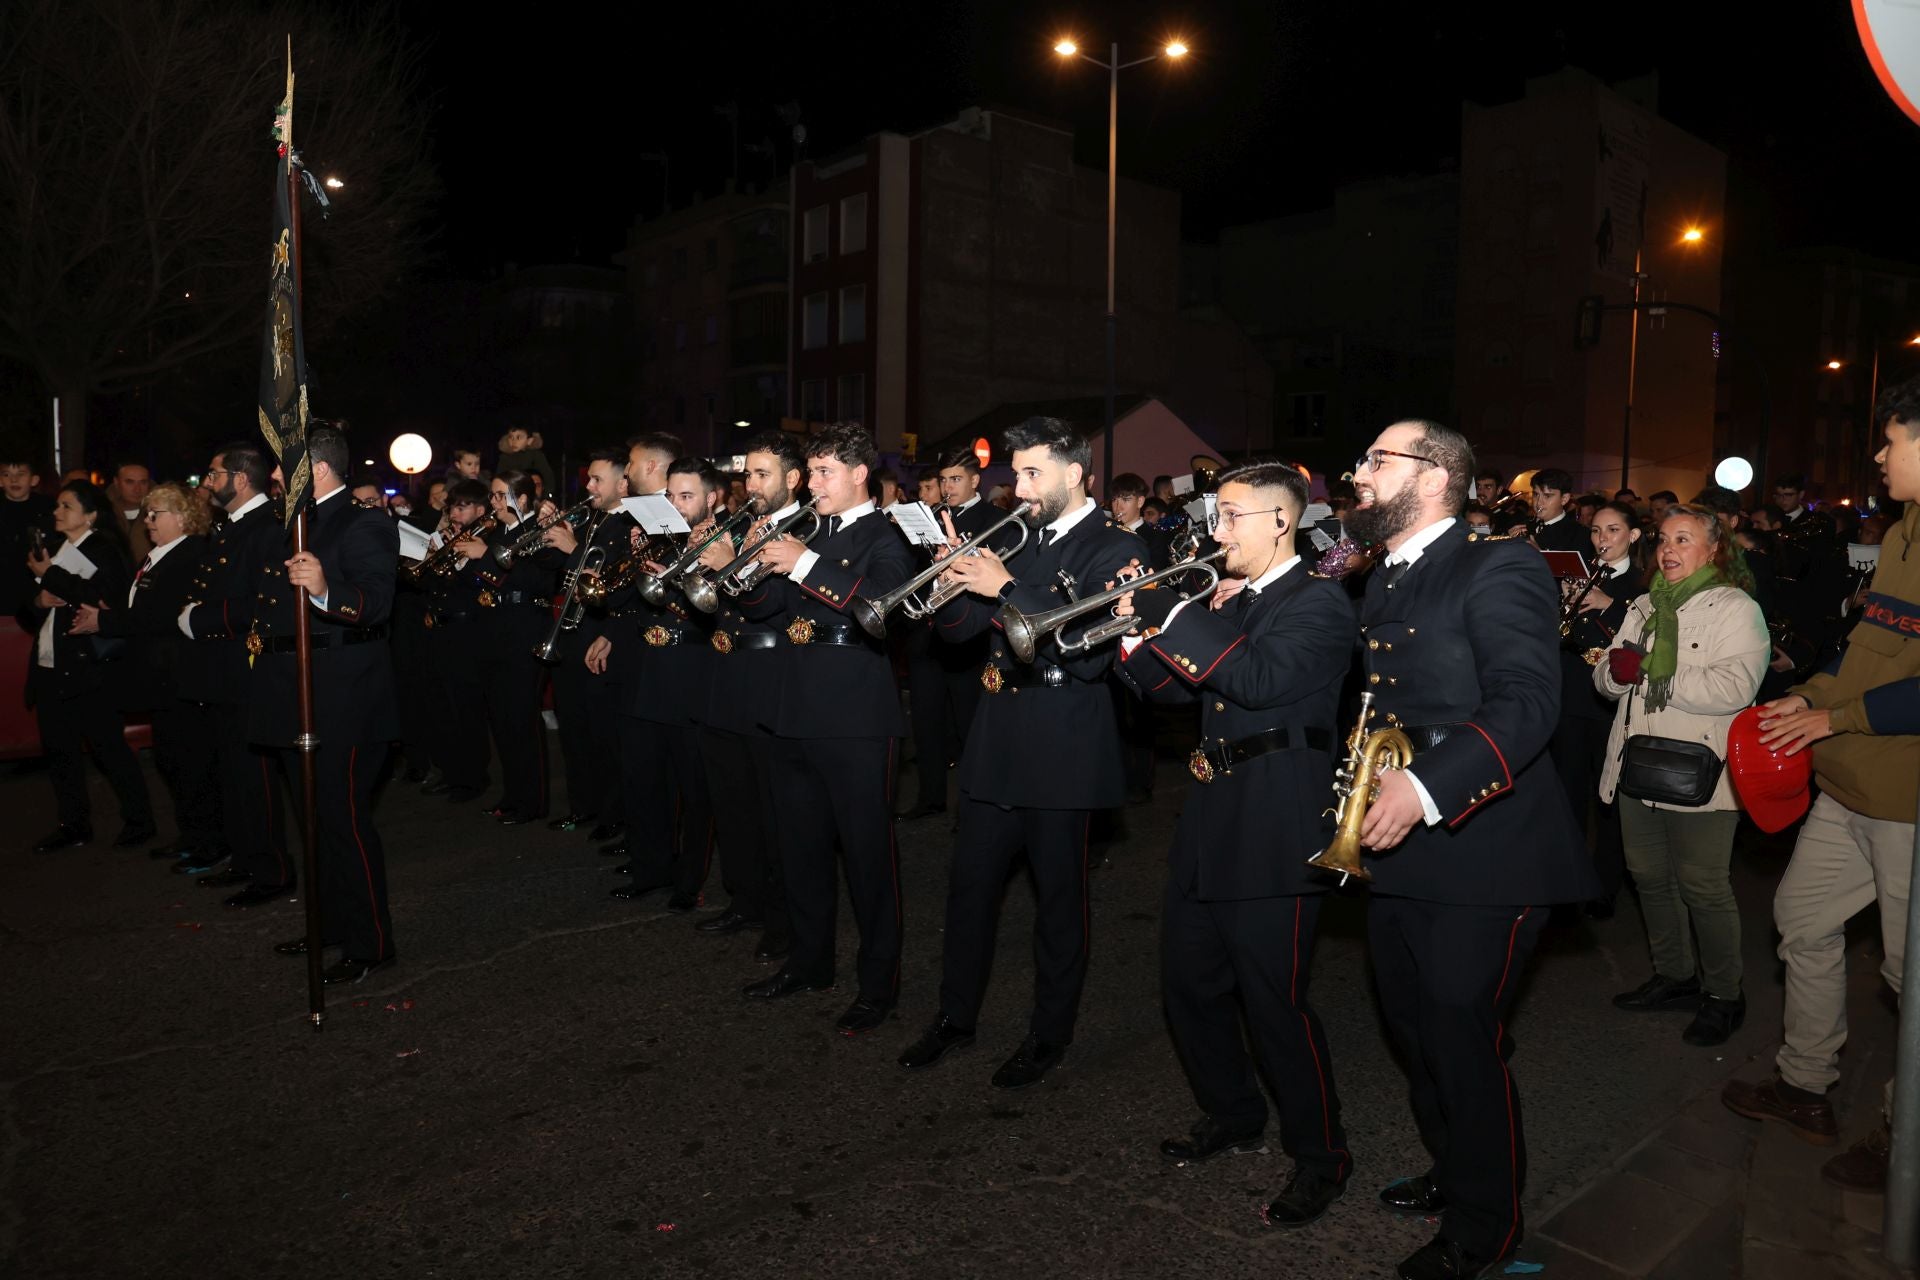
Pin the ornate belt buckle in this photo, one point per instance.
(484, 599)
(256, 644)
(1200, 765)
(429, 621)
(723, 642)
(657, 636)
(1594, 657)
(992, 678)
(800, 631)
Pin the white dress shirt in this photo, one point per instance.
(43, 650)
(154, 557)
(810, 557)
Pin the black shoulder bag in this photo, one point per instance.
(1672, 771)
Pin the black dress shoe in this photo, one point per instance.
(682, 903)
(782, 984)
(944, 1035)
(134, 833)
(296, 947)
(922, 811)
(1304, 1201)
(231, 878)
(64, 837)
(628, 892)
(773, 946)
(1209, 1138)
(607, 831)
(569, 822)
(172, 849)
(728, 921)
(1716, 1021)
(1413, 1195)
(515, 818)
(256, 894)
(1444, 1259)
(199, 861)
(350, 970)
(864, 1015)
(1029, 1064)
(1660, 993)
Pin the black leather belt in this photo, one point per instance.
(662, 637)
(1425, 737)
(725, 641)
(324, 640)
(805, 631)
(448, 619)
(493, 599)
(1216, 759)
(1039, 675)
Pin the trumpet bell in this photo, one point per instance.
(1343, 856)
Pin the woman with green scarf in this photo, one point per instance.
(1689, 657)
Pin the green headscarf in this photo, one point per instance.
(1664, 658)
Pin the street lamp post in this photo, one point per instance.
(1691, 237)
(1066, 48)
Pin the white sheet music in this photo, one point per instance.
(917, 521)
(655, 514)
(414, 543)
(70, 558)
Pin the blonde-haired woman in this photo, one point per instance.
(1688, 658)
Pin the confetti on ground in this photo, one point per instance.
(360, 1004)
(1525, 1268)
(189, 924)
(663, 1226)
(406, 1053)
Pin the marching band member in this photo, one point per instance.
(457, 646)
(1266, 662)
(1554, 527)
(1042, 754)
(738, 746)
(1461, 650)
(835, 717)
(577, 688)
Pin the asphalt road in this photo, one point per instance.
(554, 1083)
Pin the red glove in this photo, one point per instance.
(1624, 665)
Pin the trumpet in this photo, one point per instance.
(1356, 785)
(530, 540)
(684, 571)
(1024, 630)
(571, 605)
(743, 573)
(1570, 611)
(872, 614)
(600, 585)
(443, 560)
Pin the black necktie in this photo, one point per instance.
(833, 525)
(1392, 573)
(1047, 535)
(1241, 604)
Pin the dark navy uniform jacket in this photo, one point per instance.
(1468, 637)
(214, 667)
(1275, 661)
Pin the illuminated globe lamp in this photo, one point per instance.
(410, 454)
(1733, 473)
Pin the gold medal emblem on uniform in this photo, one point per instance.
(800, 631)
(429, 622)
(723, 642)
(657, 636)
(1200, 766)
(255, 644)
(484, 599)
(992, 678)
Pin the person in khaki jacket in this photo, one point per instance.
(1861, 717)
(1690, 656)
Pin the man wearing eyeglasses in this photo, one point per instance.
(1473, 842)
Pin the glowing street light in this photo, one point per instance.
(1066, 48)
(334, 184)
(1833, 364)
(1176, 49)
(1692, 235)
(743, 424)
(410, 453)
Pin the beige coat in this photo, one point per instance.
(1724, 650)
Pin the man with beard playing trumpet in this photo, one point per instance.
(1461, 646)
(1266, 660)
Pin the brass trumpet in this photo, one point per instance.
(1356, 785)
(684, 572)
(872, 614)
(1023, 630)
(443, 560)
(529, 540)
(598, 586)
(743, 572)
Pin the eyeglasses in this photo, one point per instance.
(1371, 460)
(1218, 519)
(211, 472)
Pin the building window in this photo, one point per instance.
(813, 400)
(850, 395)
(713, 329)
(813, 325)
(1307, 415)
(710, 254)
(853, 223)
(853, 313)
(815, 238)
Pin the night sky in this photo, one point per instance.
(544, 122)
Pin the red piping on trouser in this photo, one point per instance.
(1326, 1112)
(1499, 1034)
(353, 818)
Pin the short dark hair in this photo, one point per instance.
(845, 442)
(1127, 484)
(657, 442)
(1665, 495)
(93, 500)
(782, 445)
(1445, 447)
(1624, 495)
(963, 457)
(249, 460)
(1056, 435)
(1155, 503)
(617, 457)
(710, 477)
(1790, 480)
(519, 484)
(463, 451)
(1270, 475)
(1718, 499)
(929, 472)
(1553, 478)
(1594, 500)
(1899, 402)
(329, 445)
(467, 491)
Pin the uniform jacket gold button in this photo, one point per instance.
(1373, 644)
(1219, 706)
(1373, 677)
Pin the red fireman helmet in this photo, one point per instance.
(1774, 788)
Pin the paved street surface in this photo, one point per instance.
(554, 1083)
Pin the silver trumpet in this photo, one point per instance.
(872, 614)
(571, 605)
(685, 571)
(1023, 630)
(743, 573)
(526, 541)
